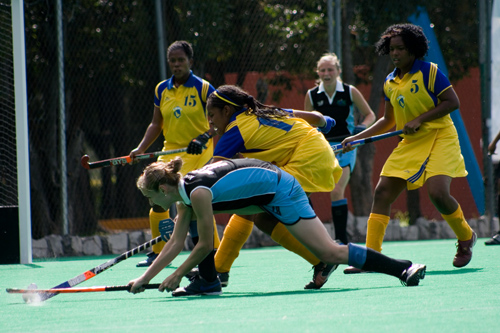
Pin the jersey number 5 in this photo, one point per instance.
(190, 101)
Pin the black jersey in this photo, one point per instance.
(234, 184)
(340, 109)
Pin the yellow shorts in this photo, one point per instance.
(314, 165)
(435, 153)
(191, 162)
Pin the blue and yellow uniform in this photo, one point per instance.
(290, 143)
(184, 115)
(339, 107)
(434, 149)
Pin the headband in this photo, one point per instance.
(225, 98)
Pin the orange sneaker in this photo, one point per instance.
(321, 274)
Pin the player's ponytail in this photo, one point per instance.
(159, 173)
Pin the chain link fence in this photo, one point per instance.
(111, 67)
(113, 59)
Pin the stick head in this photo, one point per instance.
(85, 161)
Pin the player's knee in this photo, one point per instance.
(440, 197)
(385, 194)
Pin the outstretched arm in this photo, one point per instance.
(201, 201)
(152, 132)
(384, 124)
(171, 250)
(314, 118)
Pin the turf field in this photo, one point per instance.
(266, 294)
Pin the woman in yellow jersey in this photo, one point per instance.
(179, 112)
(251, 129)
(418, 100)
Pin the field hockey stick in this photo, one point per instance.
(77, 290)
(101, 268)
(338, 147)
(125, 159)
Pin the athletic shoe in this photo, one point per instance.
(192, 273)
(199, 286)
(321, 274)
(464, 251)
(495, 240)
(224, 279)
(148, 261)
(412, 275)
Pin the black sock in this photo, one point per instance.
(207, 267)
(377, 262)
(339, 216)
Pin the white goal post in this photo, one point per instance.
(22, 144)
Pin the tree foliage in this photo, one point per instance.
(111, 69)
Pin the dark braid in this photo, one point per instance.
(242, 99)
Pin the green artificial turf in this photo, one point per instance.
(266, 294)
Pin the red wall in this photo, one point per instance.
(468, 90)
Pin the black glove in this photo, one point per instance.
(196, 145)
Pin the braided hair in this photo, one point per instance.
(238, 98)
(413, 37)
(159, 173)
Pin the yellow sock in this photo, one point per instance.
(216, 236)
(283, 237)
(458, 224)
(376, 225)
(235, 235)
(154, 221)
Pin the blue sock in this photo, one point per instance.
(357, 255)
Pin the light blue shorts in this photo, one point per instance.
(290, 203)
(346, 159)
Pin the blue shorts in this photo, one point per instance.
(290, 203)
(346, 159)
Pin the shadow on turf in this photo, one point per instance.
(66, 298)
(32, 266)
(227, 294)
(454, 271)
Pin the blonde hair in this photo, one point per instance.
(329, 57)
(159, 173)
